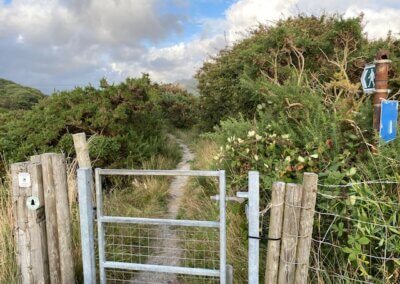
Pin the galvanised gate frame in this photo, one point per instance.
(102, 220)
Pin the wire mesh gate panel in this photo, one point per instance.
(153, 250)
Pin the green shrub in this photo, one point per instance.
(178, 106)
(125, 119)
(14, 96)
(284, 140)
(327, 52)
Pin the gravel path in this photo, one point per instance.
(169, 252)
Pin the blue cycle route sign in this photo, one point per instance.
(368, 78)
(388, 129)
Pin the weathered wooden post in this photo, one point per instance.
(63, 219)
(37, 226)
(82, 155)
(309, 198)
(291, 218)
(30, 231)
(82, 150)
(275, 232)
(51, 218)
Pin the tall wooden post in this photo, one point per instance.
(309, 198)
(291, 218)
(381, 85)
(82, 150)
(20, 195)
(30, 230)
(63, 219)
(51, 218)
(82, 155)
(275, 232)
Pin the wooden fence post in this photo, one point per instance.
(30, 230)
(51, 218)
(21, 219)
(37, 226)
(291, 218)
(82, 150)
(82, 155)
(275, 232)
(309, 198)
(83, 160)
(63, 219)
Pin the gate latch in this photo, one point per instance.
(229, 198)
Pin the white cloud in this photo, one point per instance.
(378, 22)
(72, 42)
(246, 14)
(107, 22)
(181, 60)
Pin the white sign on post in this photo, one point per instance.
(24, 180)
(32, 203)
(368, 79)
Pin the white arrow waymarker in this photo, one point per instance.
(368, 79)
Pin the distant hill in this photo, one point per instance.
(14, 96)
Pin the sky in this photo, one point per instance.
(59, 44)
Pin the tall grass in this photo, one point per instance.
(8, 267)
(197, 204)
(137, 197)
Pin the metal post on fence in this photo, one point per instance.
(100, 227)
(222, 226)
(86, 224)
(381, 85)
(229, 274)
(254, 233)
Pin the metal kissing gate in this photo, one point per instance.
(119, 250)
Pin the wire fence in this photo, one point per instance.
(356, 236)
(160, 245)
(151, 244)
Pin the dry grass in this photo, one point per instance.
(197, 204)
(8, 267)
(146, 196)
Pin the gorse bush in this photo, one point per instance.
(326, 51)
(127, 121)
(178, 106)
(287, 100)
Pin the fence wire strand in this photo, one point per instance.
(327, 263)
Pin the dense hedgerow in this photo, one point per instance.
(327, 50)
(287, 100)
(178, 106)
(127, 122)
